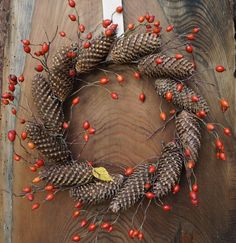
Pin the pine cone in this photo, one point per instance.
(169, 169)
(49, 108)
(189, 132)
(98, 191)
(169, 68)
(61, 83)
(135, 46)
(89, 58)
(67, 175)
(132, 189)
(181, 99)
(53, 148)
(61, 59)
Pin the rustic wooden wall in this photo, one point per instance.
(123, 125)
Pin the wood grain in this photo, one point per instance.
(123, 125)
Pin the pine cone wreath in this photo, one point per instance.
(188, 130)
(182, 98)
(61, 83)
(168, 169)
(133, 189)
(91, 57)
(67, 175)
(52, 147)
(48, 107)
(170, 67)
(98, 191)
(135, 46)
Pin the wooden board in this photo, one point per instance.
(123, 126)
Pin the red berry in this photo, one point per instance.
(62, 34)
(195, 187)
(190, 37)
(40, 162)
(163, 116)
(224, 105)
(24, 135)
(193, 195)
(135, 233)
(168, 96)
(113, 27)
(75, 238)
(106, 23)
(142, 97)
(220, 69)
(5, 102)
(166, 207)
(30, 197)
(189, 49)
(81, 28)
(222, 156)
(71, 3)
(130, 233)
(152, 168)
(187, 152)
(89, 36)
(83, 223)
(218, 144)
(76, 214)
(151, 19)
(45, 48)
(72, 73)
(76, 101)
(105, 225)
(71, 54)
(201, 114)
(172, 111)
(27, 189)
(35, 206)
(194, 98)
(227, 131)
(110, 229)
(104, 80)
(129, 171)
(137, 75)
(33, 168)
(194, 202)
(78, 205)
(50, 197)
(210, 127)
(92, 227)
(65, 125)
(150, 195)
(17, 157)
(13, 111)
(11, 87)
(86, 137)
(157, 24)
(169, 28)
(191, 164)
(87, 45)
(141, 19)
(72, 17)
(27, 49)
(196, 30)
(140, 236)
(109, 32)
(22, 121)
(159, 61)
(91, 130)
(130, 26)
(21, 78)
(25, 42)
(147, 186)
(11, 135)
(6, 95)
(156, 30)
(120, 78)
(178, 56)
(49, 188)
(119, 9)
(176, 189)
(39, 68)
(114, 95)
(86, 125)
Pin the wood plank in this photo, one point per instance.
(123, 125)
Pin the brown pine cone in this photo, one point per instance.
(67, 175)
(89, 58)
(48, 107)
(169, 68)
(182, 99)
(169, 169)
(133, 47)
(52, 147)
(61, 83)
(189, 132)
(98, 191)
(62, 60)
(132, 190)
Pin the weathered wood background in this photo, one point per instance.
(123, 125)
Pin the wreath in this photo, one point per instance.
(142, 47)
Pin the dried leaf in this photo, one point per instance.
(102, 174)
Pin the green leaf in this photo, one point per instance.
(102, 174)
